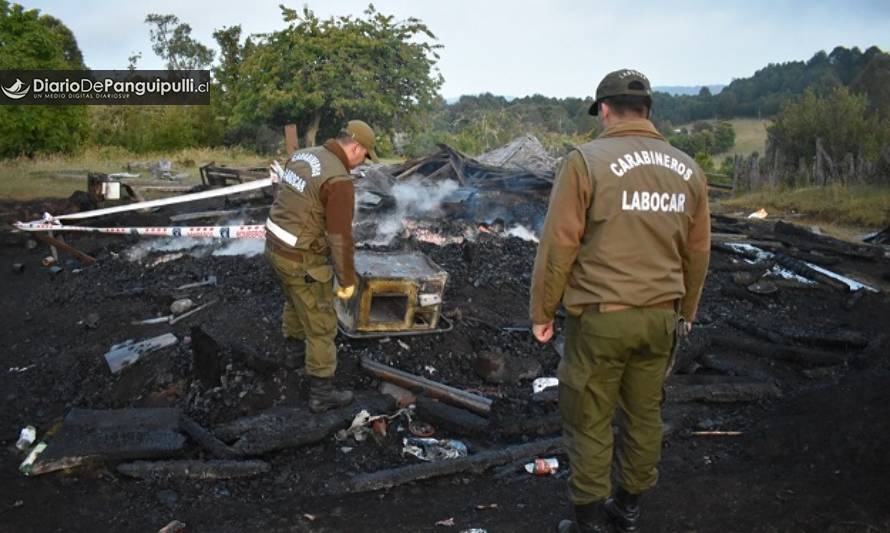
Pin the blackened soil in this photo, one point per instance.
(814, 460)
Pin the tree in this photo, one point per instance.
(318, 73)
(29, 40)
(840, 119)
(172, 41)
(874, 82)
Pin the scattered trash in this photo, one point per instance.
(379, 428)
(181, 306)
(28, 464)
(310, 517)
(403, 345)
(486, 506)
(543, 467)
(173, 527)
(48, 261)
(358, 428)
(20, 369)
(55, 269)
(192, 312)
(763, 288)
(128, 352)
(759, 214)
(208, 281)
(447, 522)
(159, 320)
(26, 438)
(541, 384)
(18, 268)
(474, 530)
(421, 429)
(432, 449)
(91, 321)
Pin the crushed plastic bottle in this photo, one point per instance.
(543, 467)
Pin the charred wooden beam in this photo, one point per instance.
(718, 389)
(206, 439)
(281, 428)
(65, 247)
(479, 462)
(450, 418)
(188, 469)
(804, 357)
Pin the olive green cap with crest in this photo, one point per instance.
(621, 82)
(364, 135)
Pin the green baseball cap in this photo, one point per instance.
(364, 135)
(625, 81)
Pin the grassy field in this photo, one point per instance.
(750, 137)
(865, 207)
(57, 176)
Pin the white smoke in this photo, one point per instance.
(522, 232)
(413, 198)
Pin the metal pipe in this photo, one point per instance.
(467, 400)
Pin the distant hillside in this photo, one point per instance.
(763, 94)
(687, 90)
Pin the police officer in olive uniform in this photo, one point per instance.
(309, 243)
(625, 248)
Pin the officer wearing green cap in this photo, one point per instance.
(625, 248)
(309, 245)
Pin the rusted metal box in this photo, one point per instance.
(396, 292)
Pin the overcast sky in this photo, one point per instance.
(514, 47)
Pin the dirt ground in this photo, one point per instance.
(814, 460)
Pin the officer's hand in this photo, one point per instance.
(345, 293)
(543, 332)
(684, 328)
(275, 172)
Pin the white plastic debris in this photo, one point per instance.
(181, 306)
(760, 213)
(358, 429)
(28, 464)
(26, 437)
(541, 384)
(427, 449)
(128, 352)
(849, 282)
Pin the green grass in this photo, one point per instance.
(860, 206)
(750, 137)
(57, 176)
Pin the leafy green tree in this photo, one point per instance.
(172, 41)
(318, 73)
(29, 40)
(874, 82)
(842, 121)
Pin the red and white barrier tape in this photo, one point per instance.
(223, 191)
(257, 231)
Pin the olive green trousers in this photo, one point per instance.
(615, 359)
(309, 313)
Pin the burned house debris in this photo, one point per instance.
(436, 341)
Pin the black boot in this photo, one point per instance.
(624, 511)
(323, 395)
(589, 518)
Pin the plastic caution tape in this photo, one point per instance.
(256, 231)
(223, 191)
